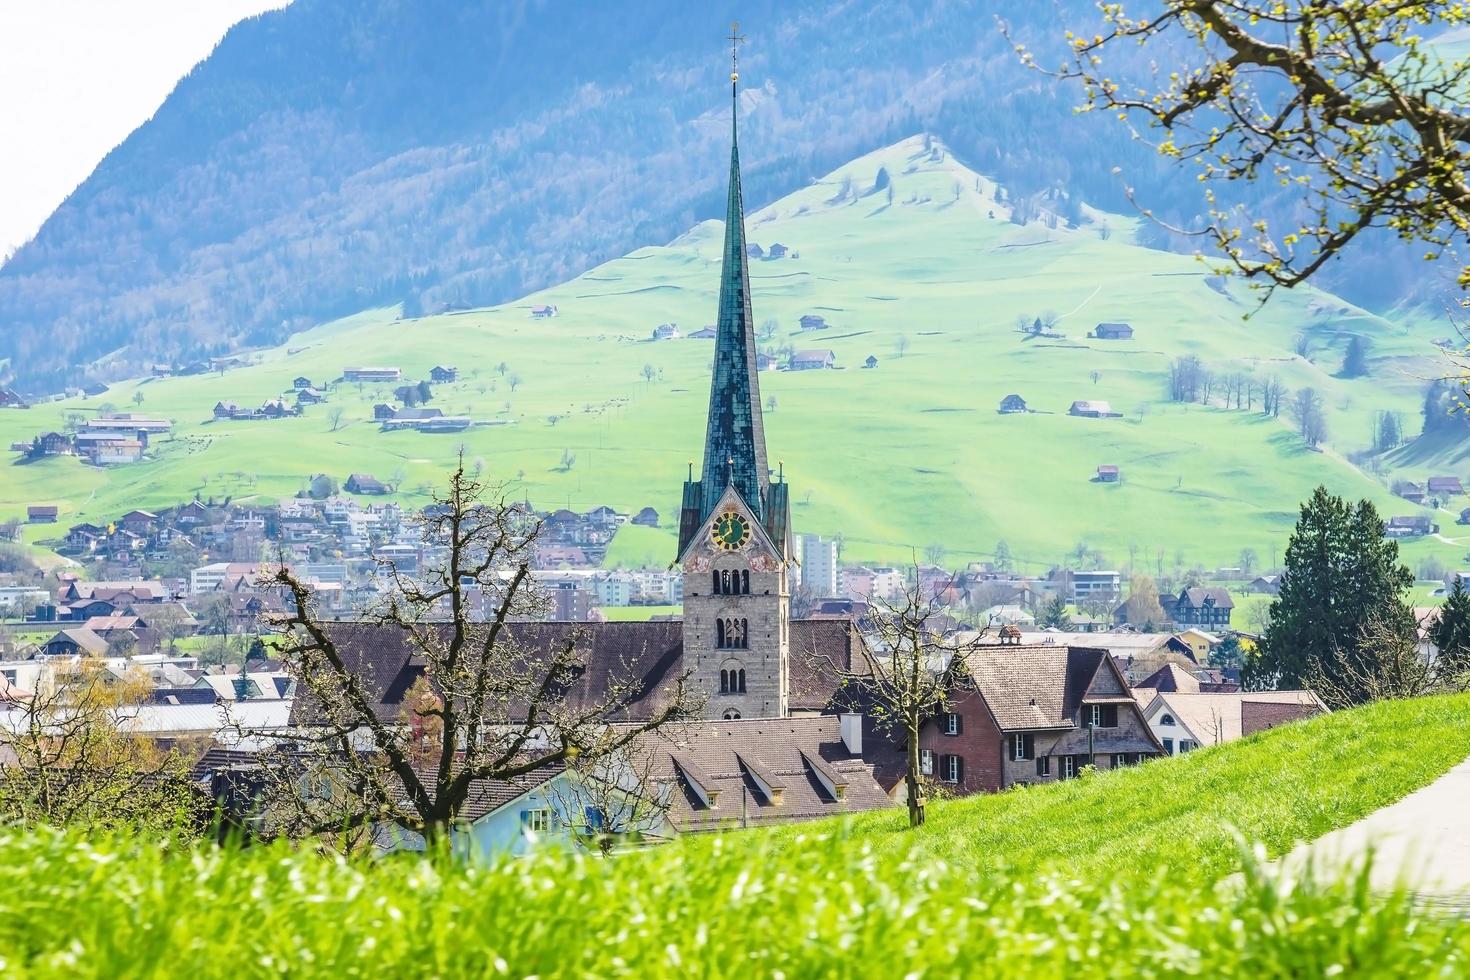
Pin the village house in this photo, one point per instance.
(371, 374)
(225, 410)
(870, 362)
(78, 641)
(703, 333)
(1266, 584)
(310, 396)
(53, 444)
(443, 374)
(383, 412)
(647, 517)
(1185, 721)
(813, 321)
(1410, 526)
(365, 483)
(1414, 493)
(10, 399)
(302, 381)
(1113, 331)
(1209, 607)
(543, 311)
(766, 362)
(1445, 486)
(1107, 473)
(1091, 410)
(666, 331)
(754, 251)
(813, 360)
(1012, 405)
(41, 514)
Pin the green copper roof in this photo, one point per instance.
(735, 441)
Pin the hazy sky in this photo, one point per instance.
(77, 76)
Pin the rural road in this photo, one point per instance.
(1423, 840)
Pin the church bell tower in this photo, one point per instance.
(735, 522)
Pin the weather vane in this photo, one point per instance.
(736, 39)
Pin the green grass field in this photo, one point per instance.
(909, 454)
(1127, 871)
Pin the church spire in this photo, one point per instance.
(735, 442)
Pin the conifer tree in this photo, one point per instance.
(1054, 615)
(1340, 575)
(1451, 630)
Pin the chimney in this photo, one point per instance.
(852, 732)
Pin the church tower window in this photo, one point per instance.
(730, 633)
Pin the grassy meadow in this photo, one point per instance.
(896, 458)
(1137, 870)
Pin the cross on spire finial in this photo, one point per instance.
(736, 39)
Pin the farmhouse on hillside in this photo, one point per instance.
(365, 483)
(371, 374)
(543, 311)
(1107, 473)
(1113, 331)
(1410, 526)
(1091, 410)
(1201, 606)
(813, 360)
(1445, 486)
(813, 321)
(1410, 491)
(666, 331)
(1012, 405)
(703, 333)
(41, 514)
(442, 374)
(871, 362)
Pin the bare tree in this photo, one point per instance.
(906, 672)
(335, 417)
(514, 381)
(490, 706)
(1386, 665)
(613, 800)
(1306, 409)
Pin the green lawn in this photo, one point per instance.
(1122, 871)
(909, 454)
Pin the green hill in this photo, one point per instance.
(931, 281)
(1125, 868)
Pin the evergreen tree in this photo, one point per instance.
(1355, 361)
(1451, 630)
(1054, 615)
(1340, 576)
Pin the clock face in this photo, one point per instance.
(730, 531)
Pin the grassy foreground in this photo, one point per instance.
(1039, 883)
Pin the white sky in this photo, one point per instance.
(77, 76)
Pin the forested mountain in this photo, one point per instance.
(340, 154)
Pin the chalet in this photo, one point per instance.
(766, 362)
(1091, 410)
(1199, 606)
(85, 536)
(1445, 486)
(542, 312)
(647, 517)
(9, 399)
(226, 410)
(1410, 526)
(1414, 493)
(871, 362)
(116, 451)
(95, 388)
(1012, 405)
(666, 331)
(754, 251)
(139, 521)
(813, 321)
(382, 411)
(71, 642)
(441, 374)
(703, 333)
(1184, 721)
(371, 374)
(275, 409)
(302, 382)
(310, 396)
(54, 444)
(813, 360)
(1107, 474)
(41, 514)
(1113, 331)
(1266, 584)
(364, 483)
(776, 251)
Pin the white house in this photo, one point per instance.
(1184, 722)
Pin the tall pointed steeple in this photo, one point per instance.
(735, 440)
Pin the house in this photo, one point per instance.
(302, 382)
(1113, 331)
(1034, 713)
(274, 409)
(766, 362)
(1414, 493)
(74, 642)
(1012, 405)
(812, 321)
(542, 312)
(95, 388)
(41, 514)
(1107, 474)
(116, 451)
(10, 399)
(1091, 410)
(647, 517)
(364, 483)
(1201, 606)
(1410, 526)
(776, 251)
(54, 444)
(1200, 641)
(871, 362)
(813, 360)
(754, 251)
(1185, 721)
(1464, 517)
(1445, 486)
(443, 374)
(1266, 584)
(310, 396)
(371, 374)
(703, 333)
(383, 411)
(139, 521)
(226, 410)
(666, 331)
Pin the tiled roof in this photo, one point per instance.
(1034, 687)
(1170, 677)
(1215, 718)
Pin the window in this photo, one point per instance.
(1166, 719)
(1043, 765)
(730, 634)
(595, 817)
(1102, 715)
(536, 821)
(926, 762)
(951, 768)
(1185, 745)
(726, 581)
(731, 714)
(732, 680)
(1022, 746)
(952, 724)
(745, 581)
(1069, 766)
(1168, 746)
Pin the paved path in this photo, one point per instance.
(1423, 839)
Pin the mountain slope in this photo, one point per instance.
(910, 453)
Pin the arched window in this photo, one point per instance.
(1166, 720)
(715, 585)
(730, 634)
(731, 714)
(745, 581)
(724, 682)
(724, 581)
(741, 679)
